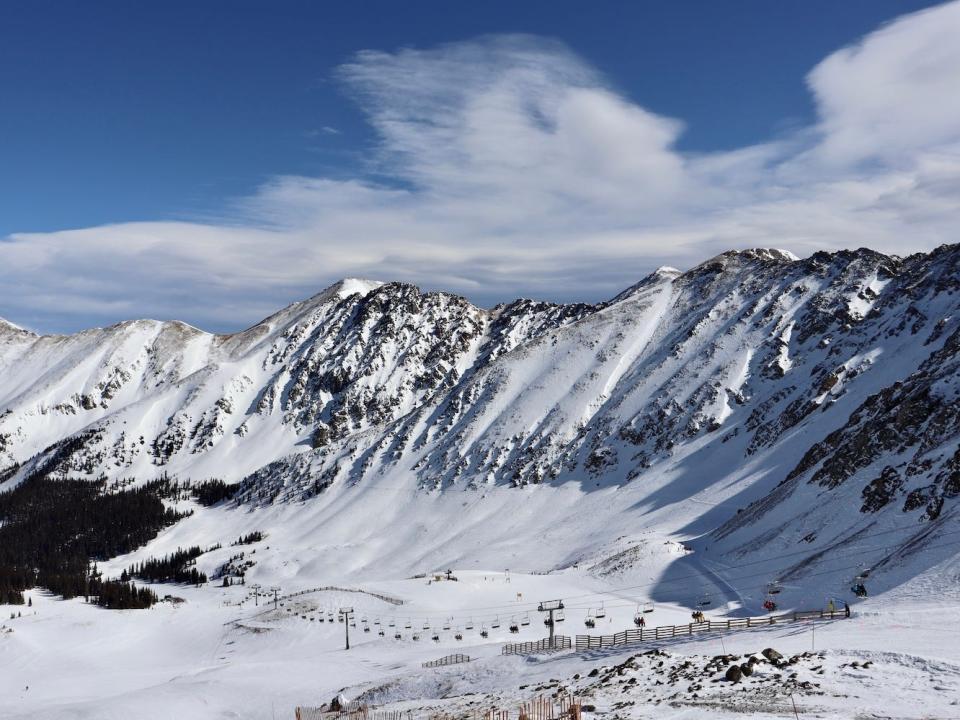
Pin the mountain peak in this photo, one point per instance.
(351, 286)
(7, 326)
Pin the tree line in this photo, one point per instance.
(51, 530)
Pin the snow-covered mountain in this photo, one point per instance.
(773, 401)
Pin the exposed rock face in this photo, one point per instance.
(834, 379)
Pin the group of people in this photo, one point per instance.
(698, 616)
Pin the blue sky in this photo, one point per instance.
(211, 160)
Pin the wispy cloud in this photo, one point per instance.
(509, 167)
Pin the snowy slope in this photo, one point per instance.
(816, 395)
(757, 418)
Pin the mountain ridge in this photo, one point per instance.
(695, 394)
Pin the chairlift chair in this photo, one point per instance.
(774, 588)
(600, 612)
(589, 621)
(470, 624)
(436, 638)
(705, 600)
(426, 626)
(559, 616)
(648, 607)
(484, 633)
(391, 623)
(525, 620)
(408, 624)
(496, 623)
(397, 636)
(514, 627)
(459, 635)
(446, 625)
(415, 636)
(381, 633)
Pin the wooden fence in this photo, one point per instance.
(360, 712)
(665, 632)
(447, 660)
(559, 642)
(540, 708)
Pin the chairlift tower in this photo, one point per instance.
(346, 614)
(550, 606)
(256, 593)
(276, 595)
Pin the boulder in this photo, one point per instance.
(772, 655)
(734, 673)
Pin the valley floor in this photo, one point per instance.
(210, 657)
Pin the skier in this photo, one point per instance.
(846, 609)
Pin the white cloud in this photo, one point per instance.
(511, 168)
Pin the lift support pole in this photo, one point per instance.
(346, 613)
(549, 606)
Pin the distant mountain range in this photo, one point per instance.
(821, 393)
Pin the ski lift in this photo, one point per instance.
(426, 626)
(648, 607)
(470, 624)
(496, 623)
(589, 621)
(381, 633)
(769, 605)
(601, 613)
(525, 620)
(340, 617)
(392, 623)
(446, 625)
(514, 627)
(436, 638)
(774, 588)
(416, 636)
(559, 615)
(321, 618)
(484, 633)
(397, 636)
(705, 600)
(366, 628)
(459, 635)
(377, 621)
(408, 624)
